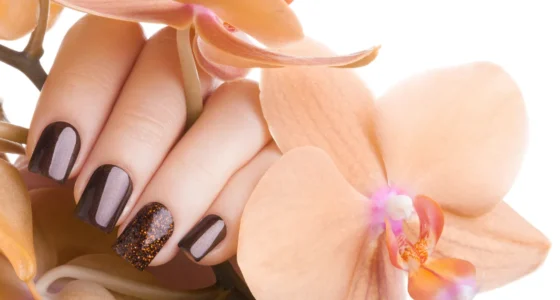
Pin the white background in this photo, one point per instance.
(522, 36)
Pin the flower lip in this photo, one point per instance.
(404, 253)
(429, 278)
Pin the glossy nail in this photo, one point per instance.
(56, 151)
(144, 237)
(104, 197)
(204, 237)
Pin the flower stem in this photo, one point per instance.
(28, 60)
(121, 285)
(191, 81)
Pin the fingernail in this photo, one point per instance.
(56, 151)
(204, 237)
(104, 197)
(144, 237)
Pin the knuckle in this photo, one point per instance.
(236, 95)
(94, 81)
(151, 124)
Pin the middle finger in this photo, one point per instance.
(148, 118)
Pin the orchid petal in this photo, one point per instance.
(13, 132)
(431, 217)
(19, 17)
(303, 226)
(11, 136)
(117, 276)
(168, 12)
(11, 287)
(16, 229)
(396, 244)
(327, 108)
(223, 72)
(7, 146)
(443, 279)
(456, 134)
(501, 245)
(271, 22)
(53, 214)
(45, 254)
(84, 290)
(181, 273)
(221, 46)
(375, 278)
(36, 181)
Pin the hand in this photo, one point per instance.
(112, 115)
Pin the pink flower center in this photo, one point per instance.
(391, 203)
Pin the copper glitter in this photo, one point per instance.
(144, 237)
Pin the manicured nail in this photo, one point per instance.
(204, 237)
(56, 151)
(104, 197)
(144, 237)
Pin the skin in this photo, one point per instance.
(124, 95)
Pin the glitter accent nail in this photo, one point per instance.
(144, 237)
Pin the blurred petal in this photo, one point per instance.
(168, 12)
(327, 108)
(114, 274)
(501, 245)
(84, 290)
(53, 213)
(19, 17)
(36, 181)
(16, 229)
(11, 287)
(45, 253)
(304, 227)
(223, 72)
(455, 134)
(443, 279)
(181, 273)
(375, 278)
(221, 46)
(271, 22)
(13, 132)
(12, 137)
(431, 220)
(7, 146)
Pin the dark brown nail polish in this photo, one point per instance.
(144, 237)
(56, 151)
(104, 197)
(204, 237)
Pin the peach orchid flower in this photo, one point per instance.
(217, 46)
(19, 17)
(210, 44)
(337, 216)
(46, 253)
